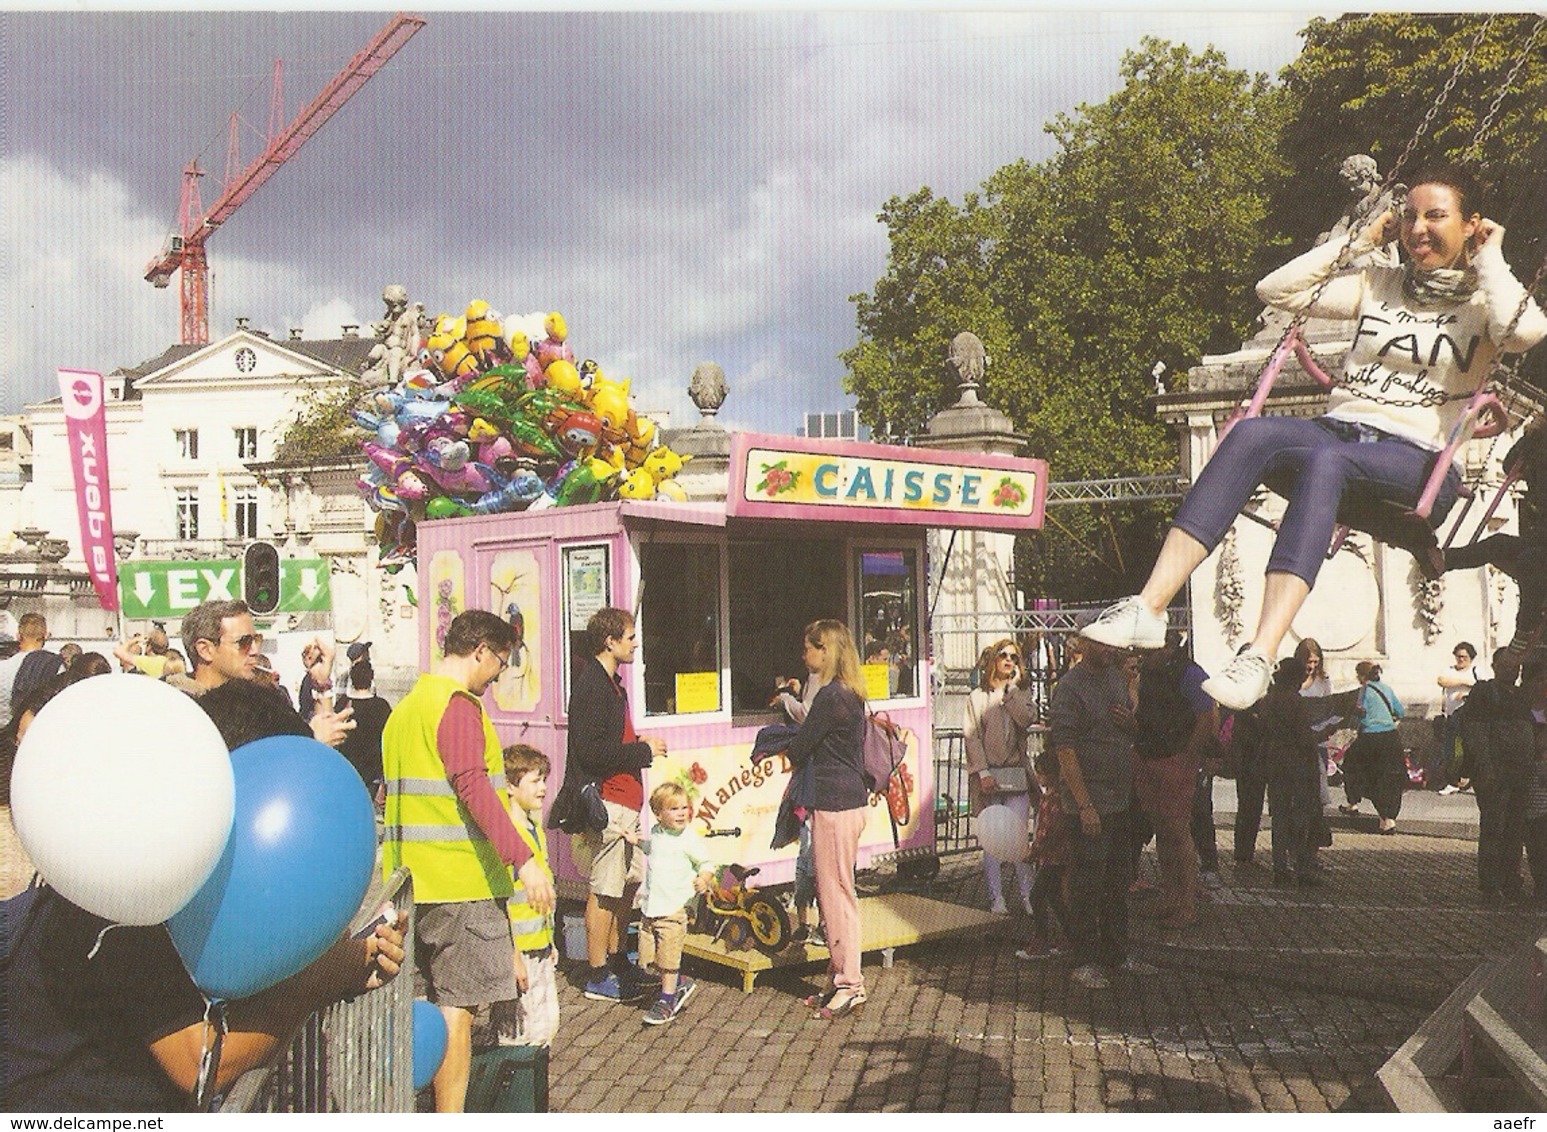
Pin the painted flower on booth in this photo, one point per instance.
(777, 479)
(1008, 494)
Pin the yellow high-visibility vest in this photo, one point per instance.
(531, 929)
(427, 826)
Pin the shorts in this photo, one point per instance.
(660, 941)
(533, 1018)
(1165, 787)
(608, 862)
(463, 955)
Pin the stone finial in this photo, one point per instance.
(707, 390)
(967, 359)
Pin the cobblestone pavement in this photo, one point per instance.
(1279, 1000)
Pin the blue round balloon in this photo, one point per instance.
(429, 1041)
(299, 861)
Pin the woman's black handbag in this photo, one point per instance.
(578, 809)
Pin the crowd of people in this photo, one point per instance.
(1130, 748)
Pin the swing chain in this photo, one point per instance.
(1473, 151)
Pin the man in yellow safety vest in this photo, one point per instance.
(447, 820)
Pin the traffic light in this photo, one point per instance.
(260, 577)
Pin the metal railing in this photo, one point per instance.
(954, 830)
(355, 1056)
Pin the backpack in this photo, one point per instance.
(1164, 716)
(882, 754)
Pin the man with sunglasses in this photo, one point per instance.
(223, 645)
(447, 820)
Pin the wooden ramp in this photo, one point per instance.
(887, 922)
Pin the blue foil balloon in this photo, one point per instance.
(301, 856)
(429, 1041)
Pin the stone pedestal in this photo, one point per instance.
(978, 585)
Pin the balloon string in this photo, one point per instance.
(92, 954)
(209, 1063)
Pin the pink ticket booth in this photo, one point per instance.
(722, 592)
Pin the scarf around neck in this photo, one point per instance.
(1442, 285)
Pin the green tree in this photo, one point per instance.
(1137, 242)
(322, 430)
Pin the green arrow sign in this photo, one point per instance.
(171, 589)
(303, 585)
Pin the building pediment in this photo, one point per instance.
(240, 358)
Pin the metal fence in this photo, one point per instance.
(355, 1056)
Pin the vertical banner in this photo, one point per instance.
(86, 434)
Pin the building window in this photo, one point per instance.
(187, 513)
(246, 444)
(831, 426)
(245, 500)
(188, 443)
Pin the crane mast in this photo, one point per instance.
(185, 249)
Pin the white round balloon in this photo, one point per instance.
(1002, 833)
(123, 797)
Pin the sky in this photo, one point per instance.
(682, 186)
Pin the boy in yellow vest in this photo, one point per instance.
(536, 970)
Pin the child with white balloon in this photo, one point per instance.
(999, 714)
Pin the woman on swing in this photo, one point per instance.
(1426, 334)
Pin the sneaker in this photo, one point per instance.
(633, 974)
(1243, 682)
(1089, 976)
(997, 908)
(1210, 880)
(1132, 966)
(1448, 790)
(685, 988)
(660, 1012)
(612, 989)
(817, 937)
(1128, 625)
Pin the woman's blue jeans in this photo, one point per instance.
(1316, 465)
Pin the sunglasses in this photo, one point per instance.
(1006, 654)
(245, 643)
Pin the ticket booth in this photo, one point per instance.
(722, 593)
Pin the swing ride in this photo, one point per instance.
(1425, 372)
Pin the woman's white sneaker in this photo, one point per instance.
(1128, 625)
(1243, 682)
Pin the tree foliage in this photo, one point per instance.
(322, 429)
(1137, 242)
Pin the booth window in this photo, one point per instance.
(777, 588)
(888, 611)
(679, 615)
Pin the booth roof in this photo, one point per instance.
(670, 511)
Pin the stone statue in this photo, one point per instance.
(708, 388)
(968, 359)
(1367, 199)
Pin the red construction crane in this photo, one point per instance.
(184, 249)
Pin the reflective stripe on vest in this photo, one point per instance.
(531, 930)
(427, 827)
